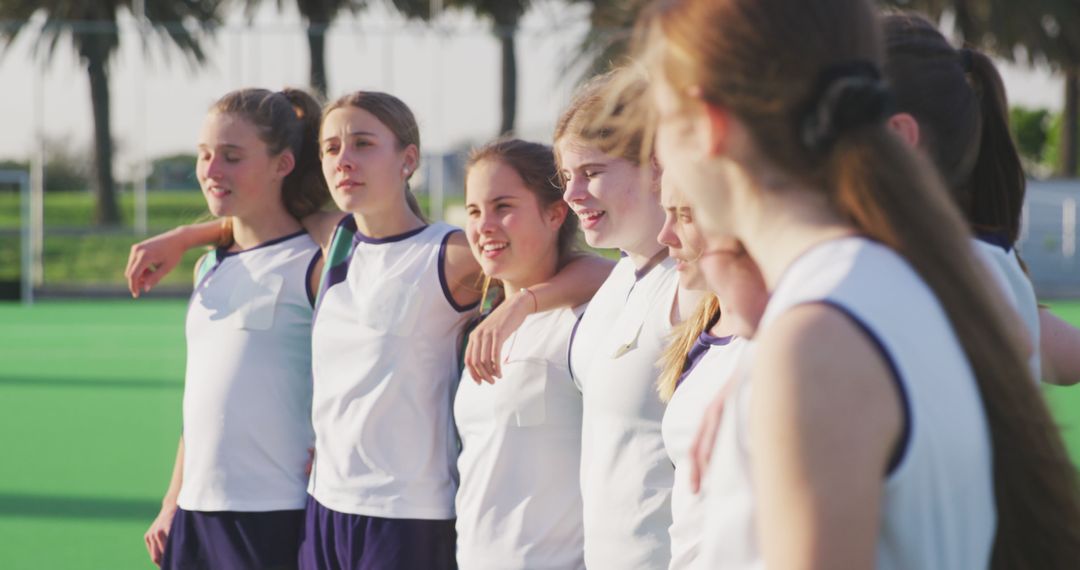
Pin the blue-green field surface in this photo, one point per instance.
(90, 397)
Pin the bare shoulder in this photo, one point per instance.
(825, 373)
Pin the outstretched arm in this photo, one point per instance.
(574, 285)
(1059, 344)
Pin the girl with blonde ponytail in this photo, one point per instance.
(700, 362)
(888, 418)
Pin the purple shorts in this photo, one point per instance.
(342, 541)
(235, 540)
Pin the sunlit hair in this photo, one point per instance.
(285, 120)
(673, 361)
(597, 117)
(396, 116)
(760, 60)
(535, 164)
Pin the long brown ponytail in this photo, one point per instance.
(761, 60)
(958, 98)
(287, 119)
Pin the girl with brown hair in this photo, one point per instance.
(237, 493)
(519, 502)
(951, 103)
(889, 418)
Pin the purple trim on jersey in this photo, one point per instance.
(905, 401)
(704, 342)
(224, 252)
(333, 541)
(442, 277)
(311, 293)
(570, 345)
(653, 261)
(997, 239)
(231, 539)
(358, 236)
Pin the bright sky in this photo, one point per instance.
(449, 79)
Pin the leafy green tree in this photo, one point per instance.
(91, 26)
(1031, 130)
(317, 15)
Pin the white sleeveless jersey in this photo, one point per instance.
(707, 372)
(385, 362)
(247, 389)
(1010, 278)
(937, 507)
(519, 502)
(626, 476)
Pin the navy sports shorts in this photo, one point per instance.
(342, 541)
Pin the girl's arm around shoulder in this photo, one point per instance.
(825, 418)
(152, 259)
(575, 284)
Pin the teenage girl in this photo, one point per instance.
(889, 418)
(237, 493)
(626, 477)
(703, 355)
(951, 103)
(519, 502)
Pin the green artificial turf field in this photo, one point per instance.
(89, 418)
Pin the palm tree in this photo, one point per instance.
(611, 24)
(317, 14)
(93, 32)
(1047, 30)
(505, 16)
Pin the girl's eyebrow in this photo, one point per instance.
(351, 134)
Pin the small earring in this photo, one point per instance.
(405, 171)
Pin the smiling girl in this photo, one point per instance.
(519, 503)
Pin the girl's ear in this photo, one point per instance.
(719, 128)
(556, 214)
(905, 125)
(412, 160)
(285, 163)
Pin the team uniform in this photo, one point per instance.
(937, 504)
(519, 502)
(626, 477)
(710, 364)
(385, 369)
(1004, 265)
(247, 409)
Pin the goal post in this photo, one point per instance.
(31, 211)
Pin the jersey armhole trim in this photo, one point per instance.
(570, 350)
(312, 293)
(442, 276)
(902, 446)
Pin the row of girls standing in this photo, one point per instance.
(393, 294)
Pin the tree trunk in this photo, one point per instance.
(316, 35)
(509, 78)
(106, 211)
(1070, 123)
